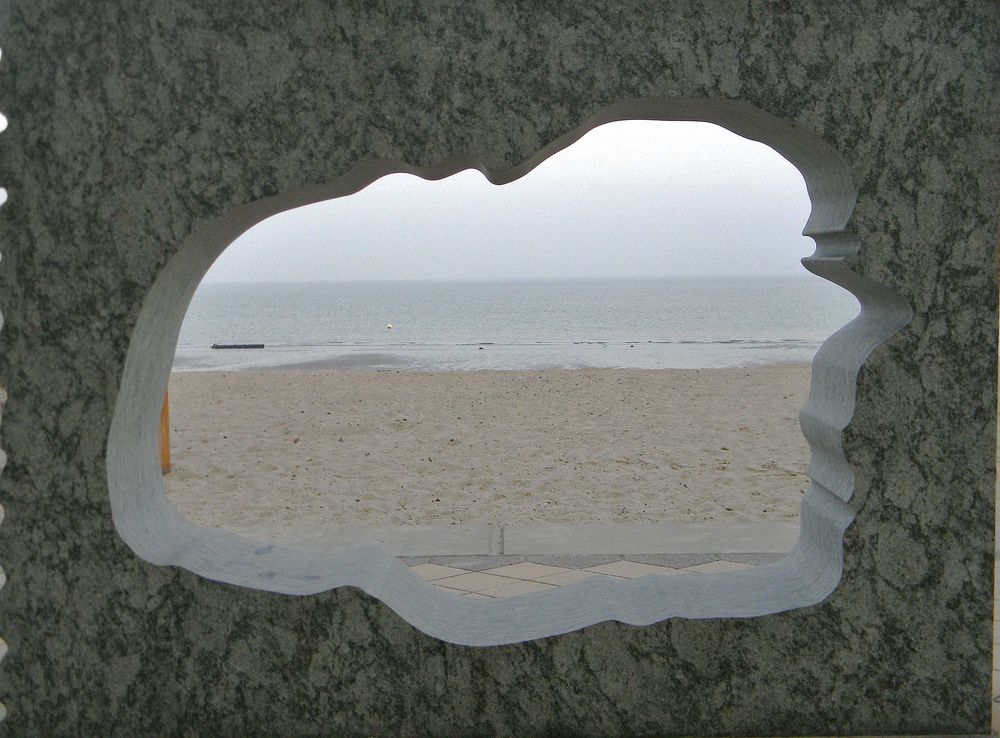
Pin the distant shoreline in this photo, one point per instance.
(387, 363)
(648, 324)
(503, 357)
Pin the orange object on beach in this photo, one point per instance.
(165, 434)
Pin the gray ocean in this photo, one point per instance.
(641, 323)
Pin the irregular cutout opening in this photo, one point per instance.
(149, 524)
(584, 366)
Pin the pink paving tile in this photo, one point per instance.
(570, 576)
(630, 569)
(430, 572)
(517, 587)
(473, 581)
(527, 570)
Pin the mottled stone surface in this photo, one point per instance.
(135, 124)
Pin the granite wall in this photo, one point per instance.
(142, 131)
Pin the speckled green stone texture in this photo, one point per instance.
(131, 123)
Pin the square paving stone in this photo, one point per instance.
(475, 581)
(526, 570)
(430, 572)
(630, 569)
(516, 588)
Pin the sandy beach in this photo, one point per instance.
(287, 448)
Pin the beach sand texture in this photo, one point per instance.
(283, 449)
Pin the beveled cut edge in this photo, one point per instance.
(150, 525)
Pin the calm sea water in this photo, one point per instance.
(655, 323)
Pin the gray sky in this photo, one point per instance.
(630, 199)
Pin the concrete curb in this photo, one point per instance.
(482, 539)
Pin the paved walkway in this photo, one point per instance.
(507, 576)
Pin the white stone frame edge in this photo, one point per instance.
(149, 524)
